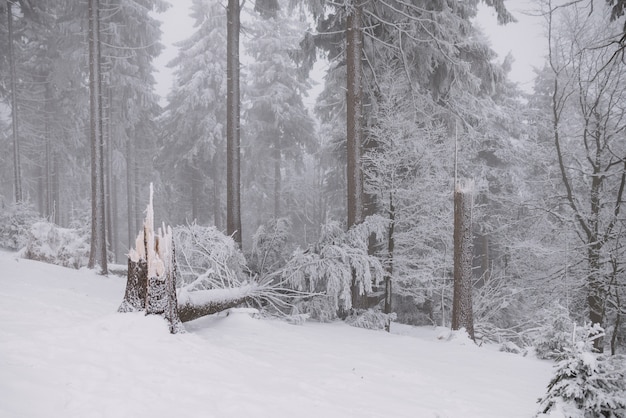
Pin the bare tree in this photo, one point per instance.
(588, 109)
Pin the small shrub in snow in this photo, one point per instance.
(586, 384)
(15, 222)
(555, 335)
(511, 347)
(320, 308)
(339, 257)
(370, 319)
(52, 244)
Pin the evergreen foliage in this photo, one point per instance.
(338, 258)
(270, 246)
(586, 384)
(193, 143)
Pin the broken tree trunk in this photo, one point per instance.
(188, 311)
(462, 315)
(151, 281)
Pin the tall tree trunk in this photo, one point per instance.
(390, 249)
(114, 218)
(41, 190)
(48, 163)
(277, 177)
(94, 129)
(354, 133)
(136, 187)
(217, 187)
(596, 293)
(17, 168)
(196, 187)
(98, 254)
(354, 100)
(130, 210)
(109, 172)
(56, 188)
(233, 191)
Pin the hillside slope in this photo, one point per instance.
(65, 352)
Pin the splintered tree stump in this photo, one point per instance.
(151, 281)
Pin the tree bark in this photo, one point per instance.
(98, 228)
(196, 189)
(217, 187)
(188, 312)
(277, 177)
(233, 181)
(17, 168)
(390, 249)
(354, 99)
(136, 285)
(130, 210)
(462, 315)
(109, 172)
(354, 130)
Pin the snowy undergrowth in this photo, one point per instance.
(52, 244)
(64, 352)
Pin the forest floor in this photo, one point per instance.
(65, 352)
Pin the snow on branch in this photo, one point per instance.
(337, 259)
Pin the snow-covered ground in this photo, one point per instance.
(65, 352)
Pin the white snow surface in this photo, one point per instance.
(65, 352)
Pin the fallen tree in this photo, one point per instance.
(213, 275)
(153, 273)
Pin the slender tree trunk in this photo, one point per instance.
(41, 191)
(109, 172)
(390, 249)
(233, 191)
(94, 129)
(130, 210)
(136, 187)
(595, 293)
(17, 168)
(48, 163)
(217, 187)
(56, 188)
(98, 253)
(462, 315)
(114, 218)
(277, 177)
(196, 187)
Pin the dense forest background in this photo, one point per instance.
(433, 106)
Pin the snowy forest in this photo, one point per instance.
(422, 188)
